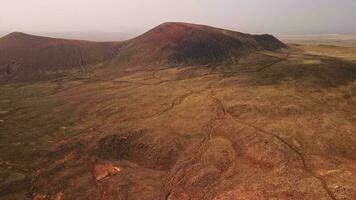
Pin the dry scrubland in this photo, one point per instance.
(181, 112)
(284, 129)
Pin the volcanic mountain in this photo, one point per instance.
(27, 55)
(191, 44)
(171, 44)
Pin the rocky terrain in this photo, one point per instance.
(185, 112)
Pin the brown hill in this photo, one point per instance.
(23, 55)
(182, 43)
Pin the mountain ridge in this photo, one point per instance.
(184, 43)
(171, 43)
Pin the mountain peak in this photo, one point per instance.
(16, 35)
(177, 43)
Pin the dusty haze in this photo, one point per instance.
(95, 18)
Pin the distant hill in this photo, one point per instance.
(91, 36)
(27, 55)
(24, 56)
(347, 40)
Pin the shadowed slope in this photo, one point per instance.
(181, 43)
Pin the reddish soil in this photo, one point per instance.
(28, 56)
(258, 122)
(191, 44)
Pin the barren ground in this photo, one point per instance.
(281, 130)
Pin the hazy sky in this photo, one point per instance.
(256, 16)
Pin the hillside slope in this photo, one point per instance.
(185, 44)
(24, 55)
(29, 57)
(286, 131)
